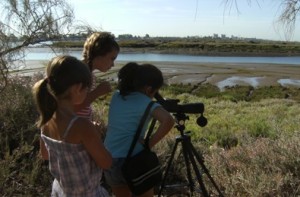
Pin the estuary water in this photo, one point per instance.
(47, 54)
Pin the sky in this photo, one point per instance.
(181, 18)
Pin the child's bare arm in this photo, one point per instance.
(94, 146)
(43, 150)
(166, 122)
(102, 89)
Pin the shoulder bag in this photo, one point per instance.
(143, 170)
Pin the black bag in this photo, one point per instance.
(142, 171)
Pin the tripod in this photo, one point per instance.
(191, 158)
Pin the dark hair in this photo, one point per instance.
(62, 73)
(132, 77)
(126, 77)
(98, 44)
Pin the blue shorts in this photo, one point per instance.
(114, 176)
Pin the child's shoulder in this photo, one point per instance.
(83, 128)
(83, 124)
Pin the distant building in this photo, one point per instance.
(234, 37)
(125, 36)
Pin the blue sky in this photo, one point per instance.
(184, 18)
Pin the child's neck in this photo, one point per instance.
(66, 112)
(66, 109)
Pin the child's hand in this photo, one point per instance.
(101, 128)
(103, 88)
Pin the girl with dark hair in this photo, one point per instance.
(72, 145)
(137, 85)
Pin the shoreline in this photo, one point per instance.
(192, 51)
(218, 74)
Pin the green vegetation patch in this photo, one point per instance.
(202, 46)
(250, 144)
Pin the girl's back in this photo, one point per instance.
(71, 144)
(72, 166)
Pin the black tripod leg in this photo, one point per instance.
(162, 185)
(187, 158)
(201, 162)
(196, 170)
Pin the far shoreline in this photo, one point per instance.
(189, 51)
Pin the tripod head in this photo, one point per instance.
(179, 111)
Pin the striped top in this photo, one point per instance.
(72, 167)
(87, 112)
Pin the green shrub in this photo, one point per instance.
(20, 164)
(18, 115)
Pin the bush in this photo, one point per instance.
(23, 171)
(18, 115)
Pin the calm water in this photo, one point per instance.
(46, 54)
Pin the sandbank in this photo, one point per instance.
(219, 74)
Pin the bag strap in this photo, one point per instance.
(149, 133)
(139, 129)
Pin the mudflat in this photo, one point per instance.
(230, 74)
(219, 74)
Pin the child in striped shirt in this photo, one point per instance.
(71, 143)
(99, 53)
